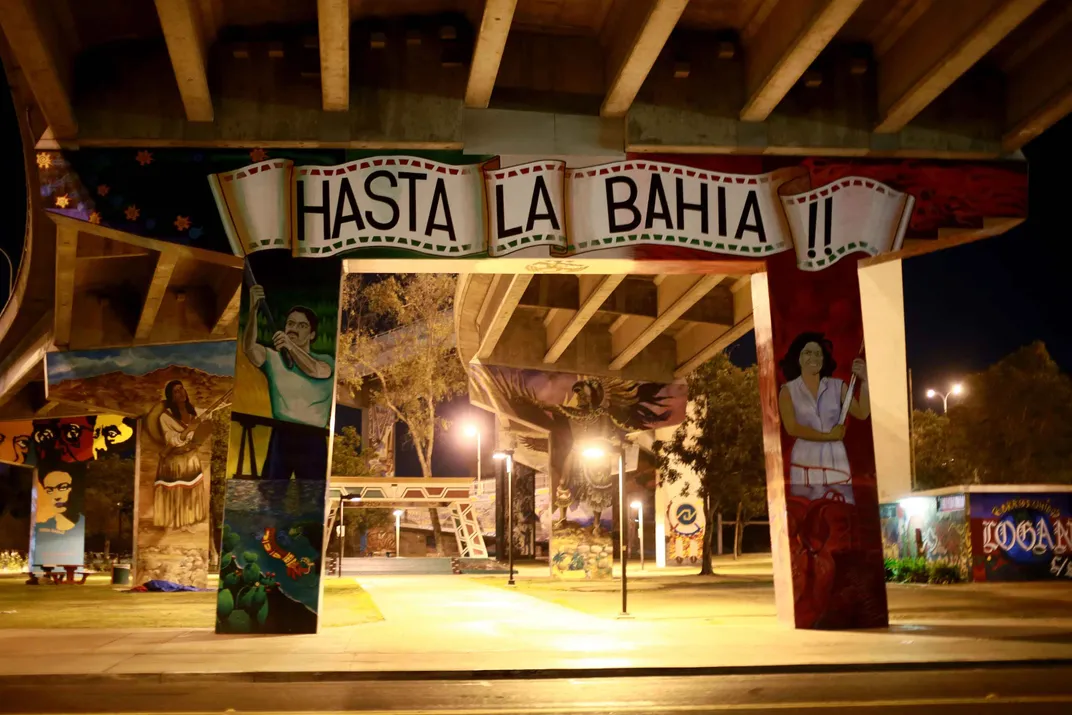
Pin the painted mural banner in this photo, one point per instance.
(566, 414)
(175, 392)
(1021, 537)
(425, 207)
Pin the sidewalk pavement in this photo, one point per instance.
(445, 626)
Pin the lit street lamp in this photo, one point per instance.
(508, 455)
(639, 506)
(597, 452)
(472, 431)
(398, 533)
(956, 389)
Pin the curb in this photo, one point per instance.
(342, 676)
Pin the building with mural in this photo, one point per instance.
(615, 223)
(992, 532)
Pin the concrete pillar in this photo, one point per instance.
(282, 413)
(822, 494)
(882, 302)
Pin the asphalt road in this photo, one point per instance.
(1036, 690)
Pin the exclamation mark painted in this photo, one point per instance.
(828, 220)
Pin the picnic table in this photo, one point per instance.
(71, 574)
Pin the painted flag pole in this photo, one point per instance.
(848, 394)
(288, 360)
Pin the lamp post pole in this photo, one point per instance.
(398, 533)
(640, 524)
(510, 513)
(623, 548)
(479, 472)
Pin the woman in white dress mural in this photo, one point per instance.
(811, 404)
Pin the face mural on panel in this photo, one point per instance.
(177, 391)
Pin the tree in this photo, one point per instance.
(348, 460)
(398, 344)
(221, 437)
(721, 442)
(1012, 425)
(936, 458)
(109, 495)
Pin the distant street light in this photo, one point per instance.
(639, 506)
(508, 455)
(472, 431)
(595, 451)
(956, 389)
(398, 532)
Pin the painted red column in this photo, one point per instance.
(821, 485)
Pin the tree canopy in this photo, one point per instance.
(398, 344)
(1012, 425)
(721, 442)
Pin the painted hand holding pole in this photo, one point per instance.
(263, 308)
(848, 394)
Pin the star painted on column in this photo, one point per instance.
(144, 157)
(94, 217)
(258, 154)
(103, 189)
(62, 201)
(44, 160)
(132, 213)
(182, 223)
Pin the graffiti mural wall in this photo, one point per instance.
(175, 391)
(1021, 536)
(572, 412)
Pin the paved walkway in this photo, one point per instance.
(450, 623)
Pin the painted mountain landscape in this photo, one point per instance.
(131, 380)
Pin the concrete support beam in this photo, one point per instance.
(333, 22)
(154, 294)
(704, 342)
(944, 44)
(901, 15)
(564, 327)
(785, 46)
(633, 38)
(26, 361)
(490, 42)
(676, 295)
(882, 303)
(188, 35)
(1038, 91)
(66, 258)
(228, 308)
(498, 307)
(35, 41)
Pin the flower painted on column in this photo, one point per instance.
(182, 223)
(44, 160)
(94, 217)
(103, 189)
(258, 155)
(144, 157)
(62, 201)
(132, 213)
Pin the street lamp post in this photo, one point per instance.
(472, 431)
(398, 533)
(597, 452)
(508, 455)
(639, 506)
(956, 389)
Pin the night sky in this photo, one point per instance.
(965, 307)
